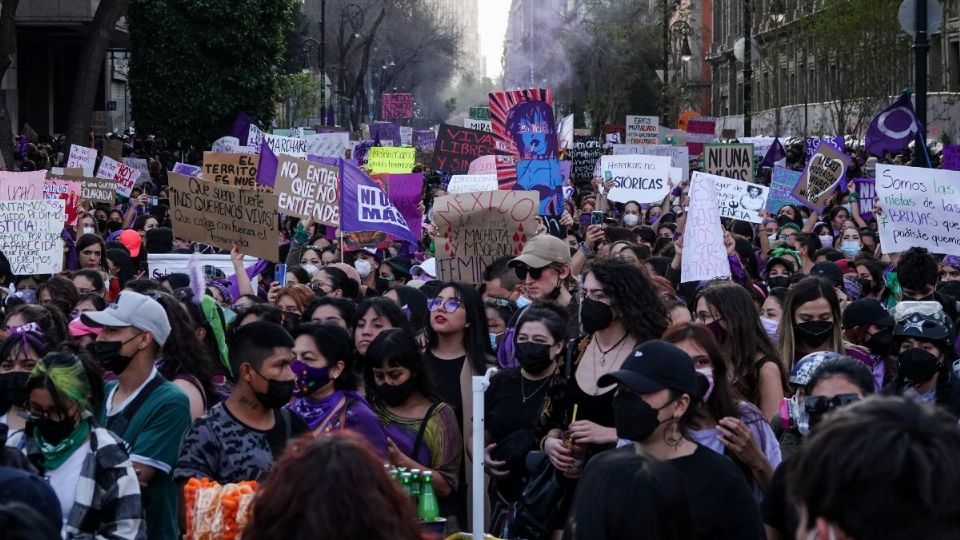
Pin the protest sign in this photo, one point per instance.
(124, 176)
(865, 190)
(163, 264)
(481, 125)
(477, 228)
(187, 170)
(290, 146)
(328, 144)
(737, 199)
(113, 148)
(813, 144)
(140, 165)
(225, 144)
(480, 113)
(308, 190)
(406, 192)
(921, 208)
(21, 186)
(483, 165)
(221, 216)
(532, 107)
(642, 129)
(394, 106)
(545, 177)
(102, 190)
(254, 136)
(231, 169)
(729, 160)
(585, 154)
(82, 157)
(760, 145)
(679, 155)
(951, 157)
(472, 183)
(424, 140)
(704, 253)
(821, 177)
(391, 160)
(385, 131)
(67, 191)
(365, 207)
(457, 146)
(565, 134)
(30, 235)
(783, 181)
(700, 130)
(642, 179)
(406, 136)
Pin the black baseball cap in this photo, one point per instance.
(829, 271)
(653, 366)
(866, 311)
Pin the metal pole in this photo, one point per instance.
(666, 63)
(921, 46)
(323, 62)
(747, 72)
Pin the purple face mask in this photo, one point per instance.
(309, 378)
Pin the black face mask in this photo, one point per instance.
(102, 225)
(635, 419)
(594, 316)
(866, 286)
(777, 281)
(395, 394)
(54, 431)
(114, 226)
(12, 389)
(880, 342)
(783, 220)
(534, 357)
(813, 333)
(109, 355)
(278, 393)
(917, 365)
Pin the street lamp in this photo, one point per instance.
(777, 11)
(682, 29)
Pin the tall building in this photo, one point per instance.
(465, 16)
(532, 41)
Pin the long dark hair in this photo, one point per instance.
(397, 347)
(415, 303)
(807, 290)
(335, 345)
(476, 336)
(724, 397)
(634, 296)
(89, 380)
(383, 307)
(184, 352)
(90, 239)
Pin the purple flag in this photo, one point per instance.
(365, 207)
(331, 116)
(385, 131)
(406, 191)
(775, 153)
(241, 127)
(267, 170)
(894, 128)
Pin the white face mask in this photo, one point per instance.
(631, 220)
(523, 301)
(772, 237)
(363, 267)
(771, 327)
(826, 240)
(88, 230)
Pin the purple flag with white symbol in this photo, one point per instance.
(365, 207)
(894, 128)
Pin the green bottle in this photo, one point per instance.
(415, 480)
(428, 509)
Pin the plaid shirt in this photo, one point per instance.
(107, 503)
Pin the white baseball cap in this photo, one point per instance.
(427, 268)
(132, 309)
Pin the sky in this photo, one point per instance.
(493, 26)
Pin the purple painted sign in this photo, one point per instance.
(385, 131)
(405, 191)
(951, 157)
(424, 140)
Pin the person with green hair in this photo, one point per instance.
(86, 465)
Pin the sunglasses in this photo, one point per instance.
(522, 271)
(822, 404)
(448, 306)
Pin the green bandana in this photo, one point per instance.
(214, 315)
(55, 455)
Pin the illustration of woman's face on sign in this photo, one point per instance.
(531, 125)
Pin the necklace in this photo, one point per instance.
(523, 394)
(603, 353)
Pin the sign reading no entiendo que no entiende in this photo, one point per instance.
(222, 215)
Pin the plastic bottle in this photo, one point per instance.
(428, 509)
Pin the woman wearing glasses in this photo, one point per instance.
(86, 465)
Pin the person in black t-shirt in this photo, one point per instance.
(652, 408)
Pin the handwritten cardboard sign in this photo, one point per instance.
(124, 176)
(96, 190)
(679, 155)
(20, 186)
(391, 160)
(921, 208)
(333, 144)
(585, 154)
(140, 165)
(476, 228)
(424, 140)
(82, 157)
(821, 177)
(67, 191)
(729, 160)
(739, 200)
(231, 169)
(457, 146)
(221, 216)
(782, 183)
(704, 254)
(481, 125)
(643, 129)
(291, 146)
(308, 190)
(30, 235)
(642, 179)
(472, 183)
(394, 106)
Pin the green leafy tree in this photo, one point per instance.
(300, 92)
(197, 63)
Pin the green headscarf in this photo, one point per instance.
(70, 380)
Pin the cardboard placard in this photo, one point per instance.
(67, 191)
(82, 157)
(406, 136)
(921, 208)
(221, 216)
(391, 160)
(642, 179)
(783, 182)
(187, 169)
(291, 146)
(821, 177)
(140, 165)
(480, 113)
(739, 200)
(729, 160)
(21, 186)
(231, 169)
(704, 254)
(472, 183)
(308, 190)
(679, 155)
(394, 106)
(424, 140)
(30, 235)
(477, 228)
(866, 191)
(98, 190)
(643, 129)
(225, 144)
(457, 146)
(124, 176)
(113, 148)
(585, 155)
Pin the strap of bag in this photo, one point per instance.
(122, 421)
(423, 429)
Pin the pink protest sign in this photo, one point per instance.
(394, 106)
